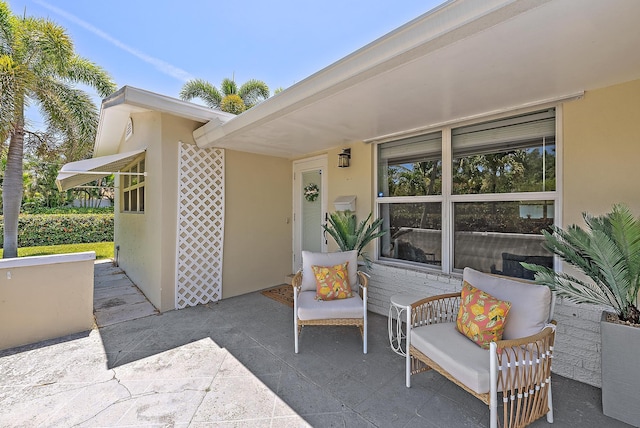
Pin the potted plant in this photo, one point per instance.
(351, 235)
(608, 253)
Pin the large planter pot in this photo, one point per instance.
(620, 371)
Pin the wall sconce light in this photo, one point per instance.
(343, 158)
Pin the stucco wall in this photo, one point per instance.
(601, 149)
(138, 234)
(45, 297)
(355, 180)
(258, 234)
(148, 240)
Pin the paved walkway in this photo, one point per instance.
(231, 364)
(115, 297)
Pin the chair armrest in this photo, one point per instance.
(521, 369)
(296, 282)
(545, 337)
(435, 309)
(363, 279)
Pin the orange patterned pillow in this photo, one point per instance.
(481, 316)
(332, 282)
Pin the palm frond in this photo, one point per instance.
(81, 70)
(351, 235)
(574, 289)
(6, 29)
(69, 110)
(199, 88)
(229, 87)
(607, 252)
(253, 91)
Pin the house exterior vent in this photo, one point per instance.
(128, 131)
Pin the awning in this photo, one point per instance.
(78, 173)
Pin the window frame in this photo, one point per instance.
(448, 199)
(127, 188)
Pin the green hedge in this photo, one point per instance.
(66, 210)
(35, 230)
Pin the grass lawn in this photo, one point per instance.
(104, 250)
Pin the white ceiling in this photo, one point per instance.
(464, 59)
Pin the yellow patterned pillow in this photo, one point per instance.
(332, 282)
(481, 316)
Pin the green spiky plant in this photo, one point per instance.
(608, 252)
(351, 235)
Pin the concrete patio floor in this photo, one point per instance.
(231, 364)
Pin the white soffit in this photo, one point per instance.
(117, 108)
(462, 60)
(81, 172)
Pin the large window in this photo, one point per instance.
(133, 184)
(410, 179)
(485, 207)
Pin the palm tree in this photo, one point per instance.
(229, 98)
(38, 66)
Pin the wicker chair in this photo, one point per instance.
(518, 367)
(309, 311)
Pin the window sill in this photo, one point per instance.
(425, 270)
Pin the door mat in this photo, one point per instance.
(281, 293)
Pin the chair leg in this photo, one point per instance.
(296, 333)
(493, 386)
(408, 353)
(364, 336)
(550, 412)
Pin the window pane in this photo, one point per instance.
(414, 232)
(141, 170)
(411, 167)
(134, 178)
(141, 198)
(125, 181)
(515, 154)
(134, 200)
(496, 236)
(125, 199)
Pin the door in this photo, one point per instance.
(310, 207)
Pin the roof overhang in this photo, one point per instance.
(81, 172)
(118, 107)
(462, 60)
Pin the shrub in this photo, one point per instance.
(36, 230)
(66, 210)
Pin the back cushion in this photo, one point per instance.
(530, 303)
(328, 259)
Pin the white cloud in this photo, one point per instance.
(159, 64)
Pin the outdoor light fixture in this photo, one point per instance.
(343, 158)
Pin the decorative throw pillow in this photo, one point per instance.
(332, 282)
(481, 316)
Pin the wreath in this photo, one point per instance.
(311, 192)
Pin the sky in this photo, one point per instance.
(159, 45)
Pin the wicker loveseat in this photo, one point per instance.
(309, 311)
(518, 367)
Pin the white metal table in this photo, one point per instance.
(397, 315)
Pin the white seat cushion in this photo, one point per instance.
(328, 259)
(311, 309)
(530, 303)
(460, 357)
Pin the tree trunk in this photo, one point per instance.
(12, 189)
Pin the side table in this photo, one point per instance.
(397, 315)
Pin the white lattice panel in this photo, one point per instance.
(200, 225)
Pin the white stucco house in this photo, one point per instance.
(221, 212)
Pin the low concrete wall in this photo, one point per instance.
(45, 297)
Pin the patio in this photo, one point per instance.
(232, 363)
